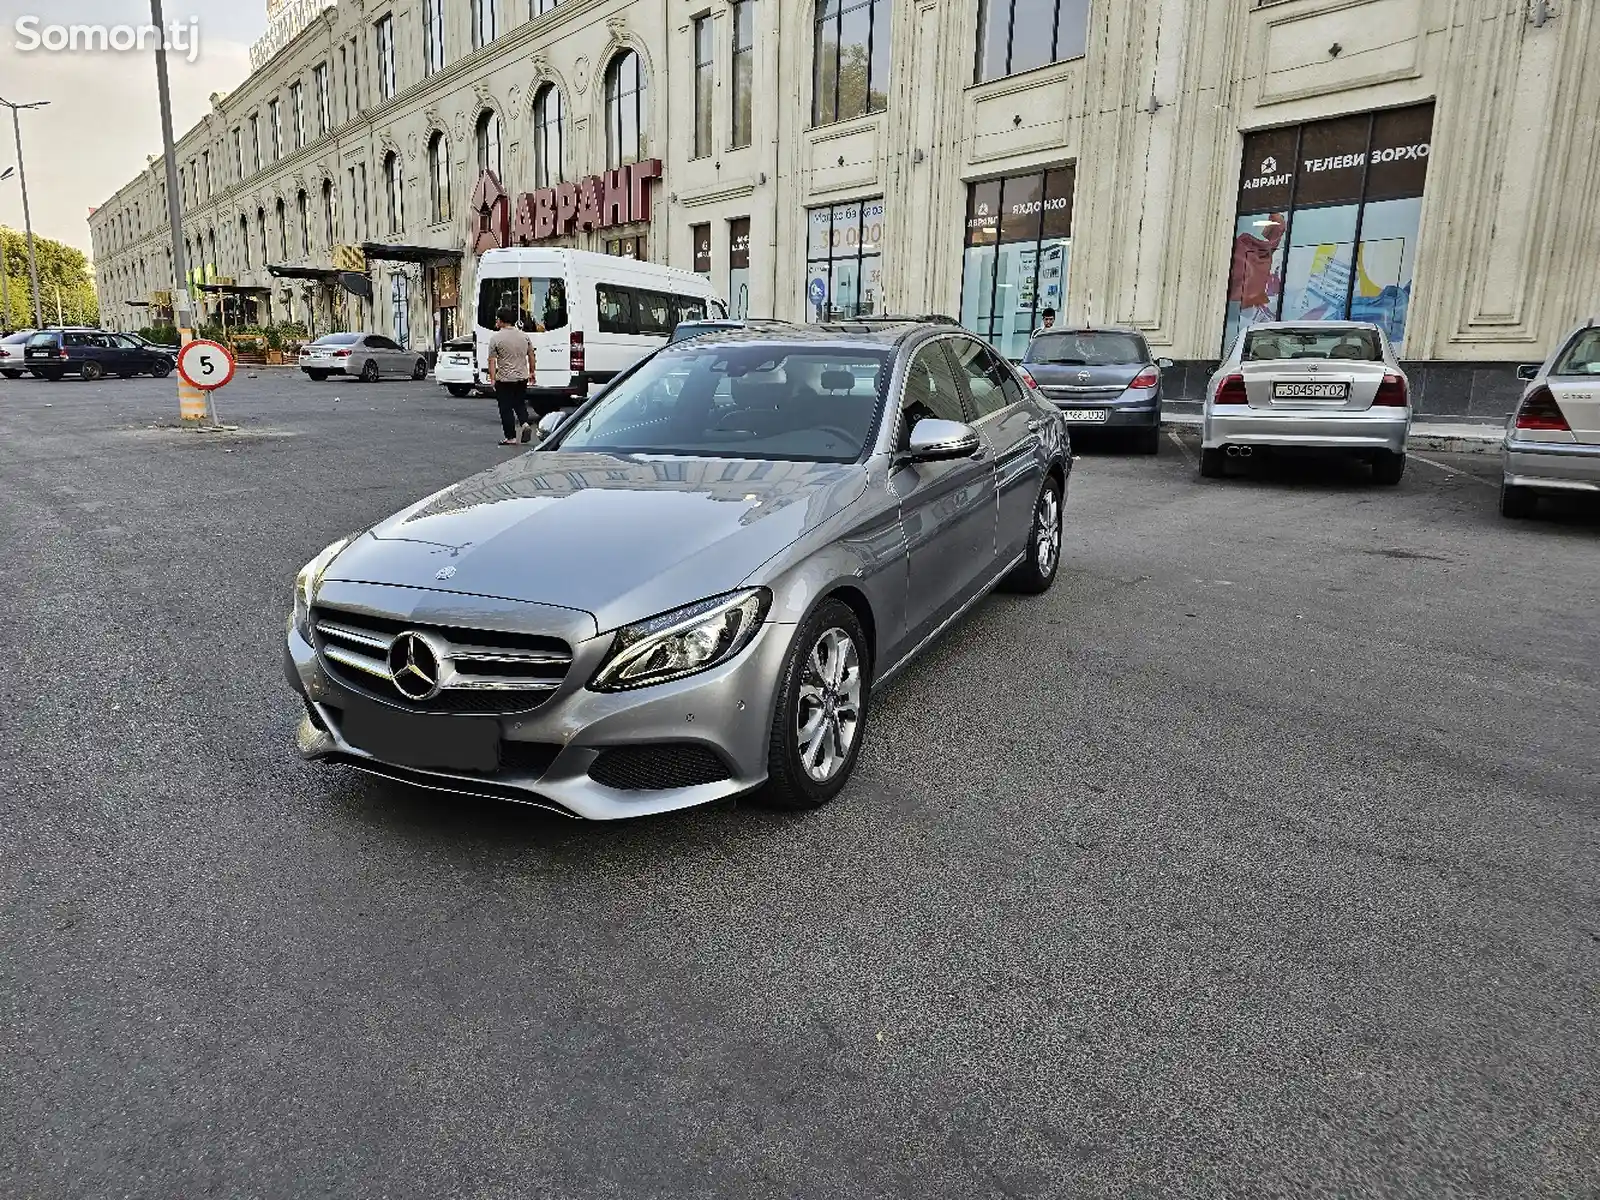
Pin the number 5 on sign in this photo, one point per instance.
(205, 365)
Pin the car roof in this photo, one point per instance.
(1058, 327)
(1328, 325)
(884, 335)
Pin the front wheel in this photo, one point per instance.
(459, 390)
(161, 370)
(1037, 571)
(420, 371)
(369, 373)
(821, 713)
(1388, 467)
(1517, 503)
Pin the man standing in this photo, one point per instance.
(510, 368)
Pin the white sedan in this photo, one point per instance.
(1552, 442)
(1323, 385)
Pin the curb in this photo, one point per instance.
(1420, 439)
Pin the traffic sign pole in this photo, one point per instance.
(203, 367)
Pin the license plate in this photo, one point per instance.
(444, 743)
(1091, 415)
(1310, 391)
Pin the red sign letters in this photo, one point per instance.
(618, 197)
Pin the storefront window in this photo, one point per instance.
(844, 261)
(628, 247)
(1327, 224)
(1018, 243)
(739, 268)
(700, 236)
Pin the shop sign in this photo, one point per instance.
(1268, 176)
(619, 197)
(1342, 162)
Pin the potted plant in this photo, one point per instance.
(274, 339)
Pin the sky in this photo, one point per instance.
(104, 121)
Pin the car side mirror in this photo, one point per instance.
(933, 440)
(1528, 371)
(549, 423)
(1166, 364)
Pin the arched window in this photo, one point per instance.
(439, 178)
(330, 210)
(625, 109)
(211, 260)
(283, 230)
(303, 211)
(261, 228)
(394, 189)
(548, 137)
(489, 141)
(244, 240)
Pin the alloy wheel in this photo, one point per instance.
(828, 714)
(1047, 538)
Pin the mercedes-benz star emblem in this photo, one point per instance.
(414, 666)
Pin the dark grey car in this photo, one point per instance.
(690, 591)
(1100, 378)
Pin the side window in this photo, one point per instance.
(615, 306)
(688, 308)
(127, 343)
(78, 339)
(930, 392)
(654, 313)
(989, 381)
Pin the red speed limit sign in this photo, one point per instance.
(205, 365)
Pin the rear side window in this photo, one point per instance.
(1581, 357)
(43, 341)
(79, 339)
(615, 308)
(1270, 345)
(990, 384)
(931, 391)
(654, 313)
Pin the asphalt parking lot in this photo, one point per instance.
(1256, 859)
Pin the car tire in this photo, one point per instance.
(805, 696)
(161, 370)
(369, 371)
(420, 371)
(1211, 462)
(318, 376)
(1148, 441)
(1388, 467)
(1517, 503)
(92, 371)
(459, 390)
(1042, 559)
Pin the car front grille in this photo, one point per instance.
(479, 670)
(657, 768)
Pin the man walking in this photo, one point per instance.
(510, 368)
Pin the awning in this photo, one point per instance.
(425, 255)
(235, 289)
(319, 274)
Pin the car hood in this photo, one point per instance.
(621, 537)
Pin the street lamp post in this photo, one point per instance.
(27, 217)
(193, 404)
(5, 272)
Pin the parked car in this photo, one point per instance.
(693, 329)
(1552, 442)
(457, 367)
(366, 356)
(12, 350)
(167, 347)
(691, 590)
(588, 317)
(92, 354)
(1102, 377)
(1321, 385)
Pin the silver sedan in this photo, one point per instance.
(690, 590)
(366, 356)
(1552, 442)
(1323, 385)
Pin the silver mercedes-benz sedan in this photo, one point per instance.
(1552, 442)
(1319, 385)
(691, 588)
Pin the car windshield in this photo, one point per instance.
(810, 404)
(1269, 345)
(1582, 357)
(1085, 348)
(337, 339)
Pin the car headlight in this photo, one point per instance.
(682, 642)
(305, 583)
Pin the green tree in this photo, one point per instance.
(60, 266)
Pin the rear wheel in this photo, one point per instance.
(1037, 571)
(1148, 441)
(459, 390)
(369, 373)
(821, 713)
(1388, 467)
(420, 371)
(1517, 503)
(1211, 460)
(93, 371)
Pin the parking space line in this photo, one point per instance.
(1449, 470)
(1182, 449)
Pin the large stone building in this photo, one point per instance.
(1184, 166)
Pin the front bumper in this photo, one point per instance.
(1240, 425)
(1553, 466)
(727, 710)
